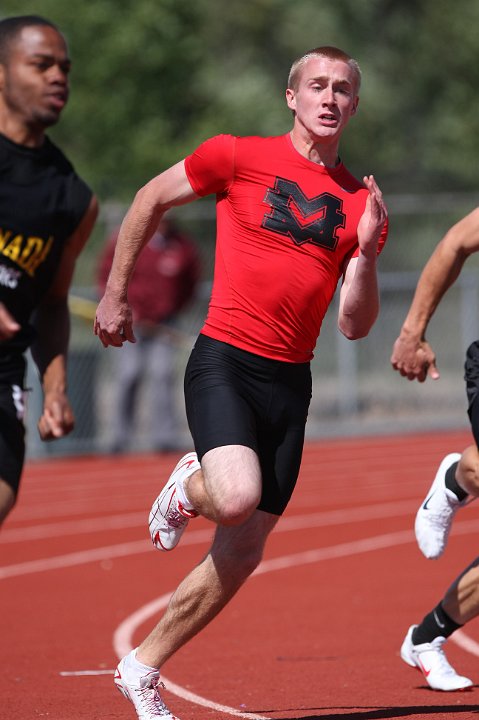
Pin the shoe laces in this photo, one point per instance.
(175, 518)
(441, 661)
(443, 514)
(187, 513)
(151, 700)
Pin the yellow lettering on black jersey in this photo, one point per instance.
(12, 250)
(4, 237)
(26, 252)
(37, 258)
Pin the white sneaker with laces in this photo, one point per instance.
(431, 660)
(434, 517)
(140, 686)
(168, 518)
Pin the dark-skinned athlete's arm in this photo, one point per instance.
(52, 324)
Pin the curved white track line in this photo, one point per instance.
(122, 638)
(125, 631)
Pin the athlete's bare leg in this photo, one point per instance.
(227, 489)
(235, 553)
(467, 473)
(461, 601)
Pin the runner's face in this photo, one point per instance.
(325, 98)
(34, 81)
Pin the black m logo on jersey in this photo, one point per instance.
(314, 220)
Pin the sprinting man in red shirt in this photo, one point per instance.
(291, 222)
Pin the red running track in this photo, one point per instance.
(314, 634)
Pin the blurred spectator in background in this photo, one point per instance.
(164, 281)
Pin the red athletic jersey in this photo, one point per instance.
(286, 228)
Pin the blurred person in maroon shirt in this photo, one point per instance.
(164, 281)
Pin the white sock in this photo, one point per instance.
(181, 495)
(139, 664)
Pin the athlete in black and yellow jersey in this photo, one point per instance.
(46, 216)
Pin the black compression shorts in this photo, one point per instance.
(234, 397)
(12, 433)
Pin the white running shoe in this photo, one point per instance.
(141, 688)
(168, 518)
(434, 517)
(431, 660)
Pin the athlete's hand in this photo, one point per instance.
(113, 322)
(57, 419)
(414, 359)
(373, 218)
(8, 326)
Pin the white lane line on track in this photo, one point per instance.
(122, 638)
(192, 538)
(124, 633)
(72, 507)
(138, 519)
(81, 673)
(185, 694)
(465, 642)
(136, 619)
(198, 700)
(86, 556)
(73, 527)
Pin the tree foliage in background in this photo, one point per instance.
(152, 78)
